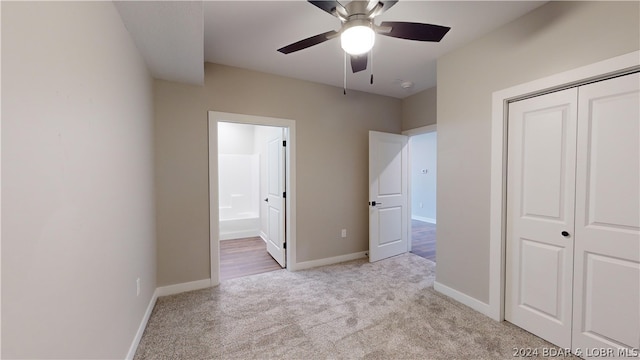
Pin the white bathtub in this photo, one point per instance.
(244, 225)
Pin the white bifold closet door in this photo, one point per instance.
(540, 209)
(573, 216)
(606, 299)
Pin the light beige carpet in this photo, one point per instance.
(382, 310)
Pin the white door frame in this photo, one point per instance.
(410, 133)
(290, 175)
(497, 228)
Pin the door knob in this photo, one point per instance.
(266, 199)
(565, 234)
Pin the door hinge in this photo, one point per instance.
(284, 142)
(284, 195)
(284, 245)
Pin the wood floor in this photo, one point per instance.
(243, 257)
(423, 239)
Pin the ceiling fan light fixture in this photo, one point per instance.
(357, 39)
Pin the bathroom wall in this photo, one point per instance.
(239, 181)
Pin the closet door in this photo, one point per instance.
(540, 214)
(607, 246)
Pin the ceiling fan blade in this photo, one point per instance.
(327, 6)
(358, 62)
(381, 6)
(308, 42)
(414, 31)
(386, 5)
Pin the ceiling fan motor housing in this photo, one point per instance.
(357, 36)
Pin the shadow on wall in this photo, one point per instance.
(530, 28)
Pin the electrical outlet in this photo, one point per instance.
(344, 233)
(138, 287)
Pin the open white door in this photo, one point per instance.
(276, 245)
(388, 204)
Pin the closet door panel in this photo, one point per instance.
(607, 235)
(540, 206)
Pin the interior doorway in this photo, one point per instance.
(423, 185)
(243, 186)
(251, 188)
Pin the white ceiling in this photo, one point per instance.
(169, 34)
(247, 34)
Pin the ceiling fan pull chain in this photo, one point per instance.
(344, 87)
(371, 56)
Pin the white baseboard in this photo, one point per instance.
(465, 299)
(329, 261)
(163, 291)
(263, 235)
(183, 287)
(424, 219)
(143, 325)
(239, 235)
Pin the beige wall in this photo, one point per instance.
(77, 182)
(332, 161)
(556, 37)
(419, 109)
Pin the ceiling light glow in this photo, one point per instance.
(357, 40)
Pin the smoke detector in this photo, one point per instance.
(406, 85)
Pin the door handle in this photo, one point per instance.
(266, 199)
(373, 203)
(565, 234)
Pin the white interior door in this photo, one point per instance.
(276, 242)
(606, 308)
(388, 210)
(540, 215)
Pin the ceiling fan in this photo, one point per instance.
(357, 33)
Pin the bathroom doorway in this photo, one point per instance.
(250, 173)
(251, 188)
